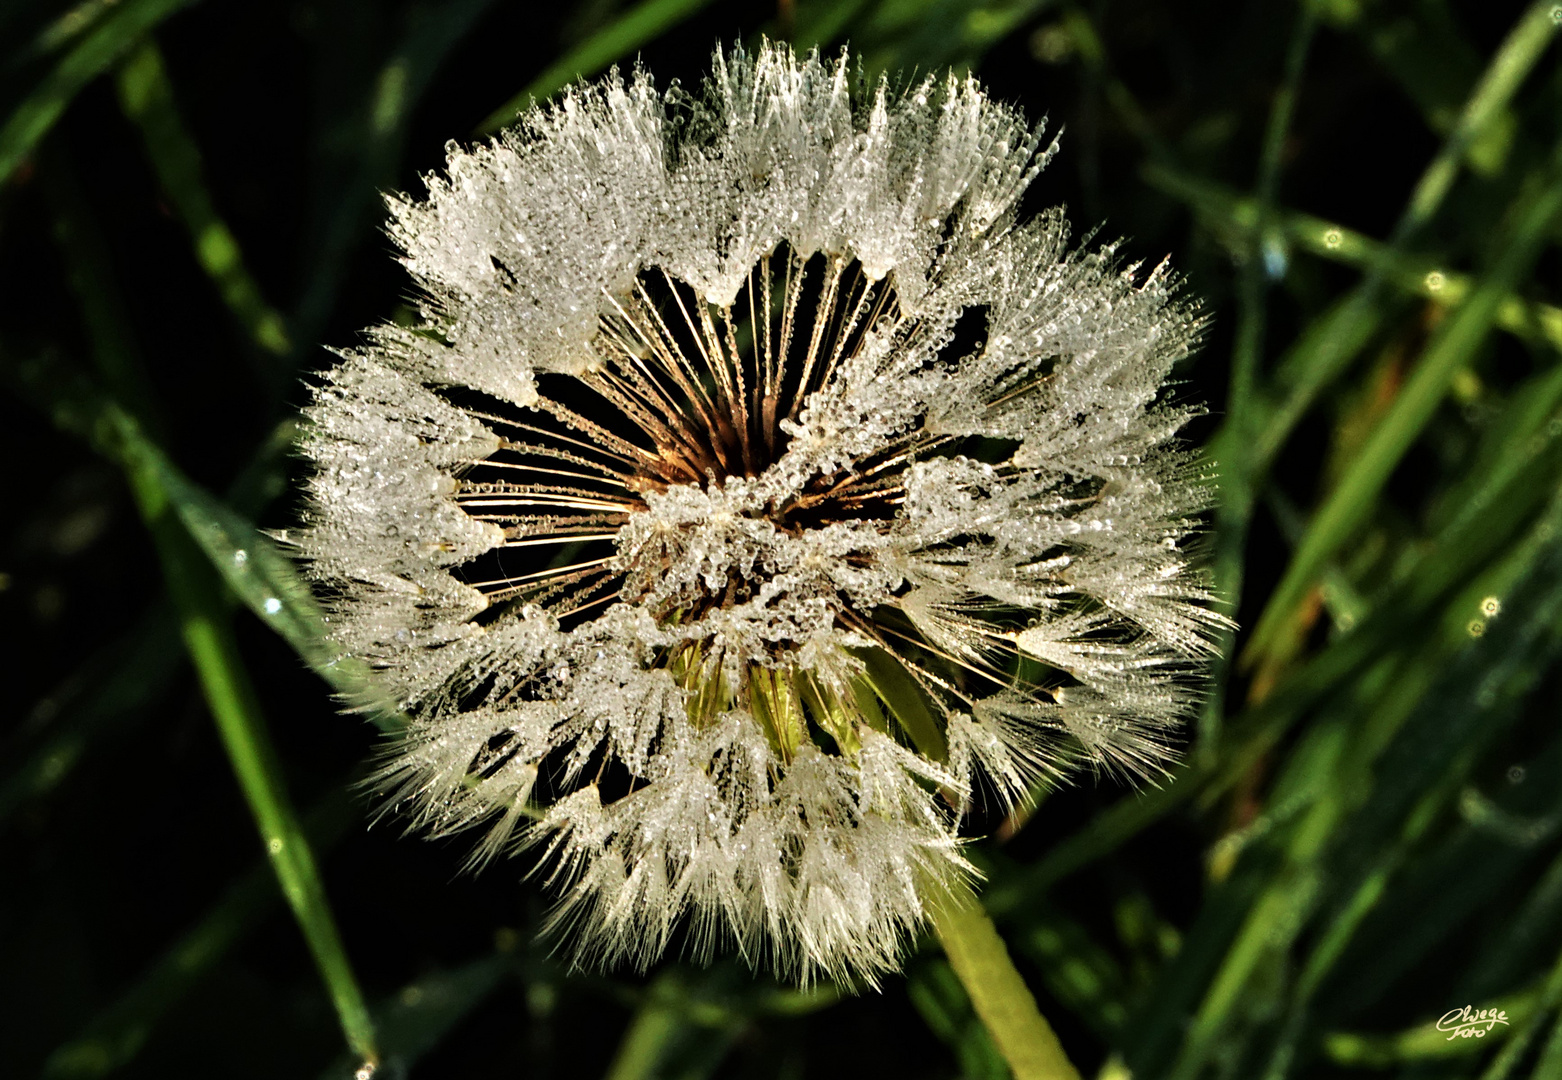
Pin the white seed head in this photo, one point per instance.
(753, 480)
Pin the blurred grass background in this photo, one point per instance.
(1366, 832)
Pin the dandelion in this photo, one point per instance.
(753, 491)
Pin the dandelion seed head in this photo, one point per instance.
(753, 480)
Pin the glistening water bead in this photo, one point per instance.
(752, 480)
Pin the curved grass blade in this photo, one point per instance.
(94, 54)
(208, 636)
(1454, 342)
(250, 563)
(202, 608)
(1424, 1042)
(147, 98)
(115, 1037)
(419, 1016)
(614, 42)
(1391, 771)
(268, 583)
(1415, 275)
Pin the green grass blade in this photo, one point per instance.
(256, 571)
(147, 98)
(1401, 764)
(1514, 945)
(1510, 66)
(202, 609)
(1332, 342)
(209, 639)
(1235, 464)
(94, 54)
(70, 24)
(359, 145)
(266, 580)
(1415, 275)
(935, 992)
(652, 1030)
(1452, 346)
(421, 1014)
(613, 43)
(998, 993)
(115, 1037)
(1359, 1050)
(1519, 1043)
(898, 689)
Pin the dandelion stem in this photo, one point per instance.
(998, 993)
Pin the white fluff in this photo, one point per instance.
(702, 744)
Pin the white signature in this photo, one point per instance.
(1470, 1022)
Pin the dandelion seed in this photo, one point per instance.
(753, 481)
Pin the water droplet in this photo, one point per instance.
(1491, 606)
(1275, 258)
(240, 557)
(1435, 281)
(272, 605)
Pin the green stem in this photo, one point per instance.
(652, 1030)
(147, 98)
(1451, 347)
(208, 636)
(114, 1038)
(1234, 460)
(201, 606)
(88, 58)
(998, 993)
(618, 39)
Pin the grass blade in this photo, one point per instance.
(202, 611)
(1234, 511)
(114, 1038)
(1455, 341)
(614, 42)
(90, 57)
(418, 1017)
(147, 98)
